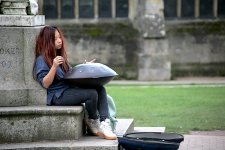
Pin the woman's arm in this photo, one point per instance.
(48, 79)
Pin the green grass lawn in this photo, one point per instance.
(178, 108)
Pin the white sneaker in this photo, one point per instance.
(93, 125)
(106, 130)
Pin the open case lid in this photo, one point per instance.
(155, 136)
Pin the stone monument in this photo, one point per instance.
(18, 31)
(24, 116)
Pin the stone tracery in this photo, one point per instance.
(18, 7)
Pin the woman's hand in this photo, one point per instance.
(48, 79)
(58, 60)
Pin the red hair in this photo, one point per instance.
(45, 46)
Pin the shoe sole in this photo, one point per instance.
(106, 137)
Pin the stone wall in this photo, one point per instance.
(194, 49)
(197, 48)
(113, 44)
(145, 46)
(131, 47)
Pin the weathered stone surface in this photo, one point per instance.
(153, 26)
(38, 123)
(17, 87)
(14, 11)
(84, 143)
(12, 97)
(115, 44)
(22, 20)
(153, 58)
(150, 19)
(14, 7)
(155, 74)
(18, 7)
(154, 63)
(154, 7)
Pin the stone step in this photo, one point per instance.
(38, 123)
(124, 126)
(149, 129)
(84, 143)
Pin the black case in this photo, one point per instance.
(150, 141)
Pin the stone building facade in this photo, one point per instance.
(143, 39)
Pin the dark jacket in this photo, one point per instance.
(58, 85)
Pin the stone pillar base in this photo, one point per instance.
(17, 86)
(154, 64)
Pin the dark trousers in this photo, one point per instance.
(95, 100)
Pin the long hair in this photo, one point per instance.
(45, 46)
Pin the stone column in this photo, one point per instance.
(18, 32)
(154, 63)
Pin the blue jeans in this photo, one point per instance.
(95, 100)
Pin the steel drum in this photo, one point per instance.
(90, 75)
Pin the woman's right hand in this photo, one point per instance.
(58, 60)
(48, 79)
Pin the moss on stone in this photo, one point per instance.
(204, 27)
(115, 33)
(198, 69)
(103, 30)
(93, 32)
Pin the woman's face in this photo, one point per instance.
(58, 40)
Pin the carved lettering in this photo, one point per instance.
(1, 51)
(7, 56)
(9, 51)
(6, 64)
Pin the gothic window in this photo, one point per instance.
(188, 8)
(50, 9)
(122, 8)
(221, 8)
(67, 8)
(86, 9)
(105, 8)
(206, 8)
(170, 7)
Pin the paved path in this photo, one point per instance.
(203, 142)
(178, 81)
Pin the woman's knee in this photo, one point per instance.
(93, 94)
(100, 88)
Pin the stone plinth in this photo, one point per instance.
(19, 20)
(17, 87)
(13, 7)
(39, 123)
(154, 64)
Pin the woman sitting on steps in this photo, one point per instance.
(50, 66)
